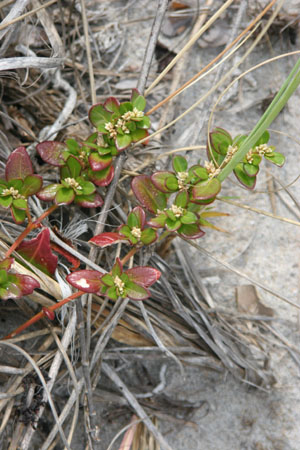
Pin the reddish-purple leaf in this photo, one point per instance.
(106, 239)
(52, 152)
(147, 194)
(86, 280)
(18, 165)
(143, 275)
(102, 177)
(48, 193)
(38, 252)
(26, 284)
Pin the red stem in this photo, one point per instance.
(41, 314)
(31, 226)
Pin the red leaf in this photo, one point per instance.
(143, 275)
(18, 165)
(38, 252)
(52, 152)
(106, 239)
(26, 284)
(86, 280)
(147, 194)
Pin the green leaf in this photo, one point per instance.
(219, 140)
(197, 173)
(133, 221)
(117, 268)
(73, 146)
(16, 184)
(98, 115)
(189, 218)
(143, 122)
(64, 196)
(3, 276)
(123, 141)
(139, 102)
(6, 201)
(182, 199)
(136, 292)
(125, 107)
(180, 164)
(158, 221)
(19, 215)
(250, 169)
(263, 139)
(159, 179)
(138, 134)
(275, 158)
(173, 225)
(191, 231)
(148, 236)
(206, 190)
(20, 203)
(88, 188)
(32, 185)
(74, 166)
(112, 293)
(244, 179)
(107, 279)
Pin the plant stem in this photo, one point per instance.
(31, 226)
(285, 92)
(41, 314)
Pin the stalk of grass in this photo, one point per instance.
(278, 103)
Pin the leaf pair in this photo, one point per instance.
(121, 123)
(19, 184)
(131, 283)
(221, 147)
(134, 232)
(72, 187)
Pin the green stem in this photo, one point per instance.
(282, 97)
(31, 226)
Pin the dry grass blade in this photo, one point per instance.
(42, 379)
(243, 275)
(110, 373)
(259, 211)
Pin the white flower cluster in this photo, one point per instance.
(12, 191)
(121, 123)
(119, 284)
(73, 183)
(211, 169)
